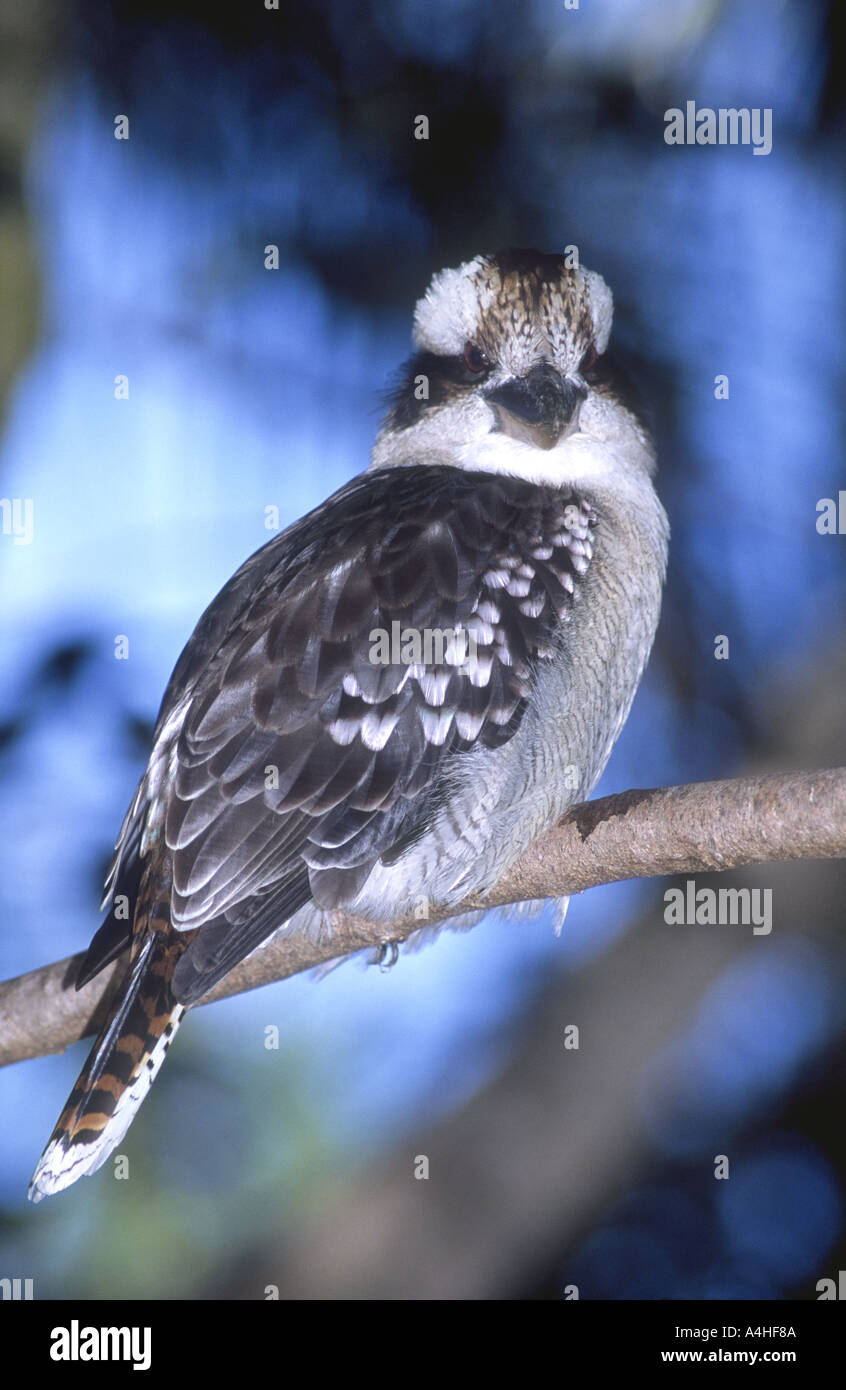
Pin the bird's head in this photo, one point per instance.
(509, 373)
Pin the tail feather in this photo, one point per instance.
(119, 1072)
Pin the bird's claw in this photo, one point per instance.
(391, 947)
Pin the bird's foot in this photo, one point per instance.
(388, 956)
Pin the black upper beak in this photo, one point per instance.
(536, 407)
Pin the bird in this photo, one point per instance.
(300, 768)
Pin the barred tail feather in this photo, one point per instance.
(118, 1074)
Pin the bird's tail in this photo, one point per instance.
(120, 1070)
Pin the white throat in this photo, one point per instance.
(575, 459)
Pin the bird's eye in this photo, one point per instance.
(475, 360)
(589, 360)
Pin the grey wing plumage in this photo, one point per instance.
(288, 761)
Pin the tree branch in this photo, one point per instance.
(638, 834)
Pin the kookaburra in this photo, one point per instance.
(509, 500)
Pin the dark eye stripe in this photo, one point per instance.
(589, 360)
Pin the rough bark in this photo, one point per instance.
(637, 834)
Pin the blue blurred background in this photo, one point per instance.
(252, 389)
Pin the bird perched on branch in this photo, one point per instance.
(293, 774)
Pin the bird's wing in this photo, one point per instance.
(299, 760)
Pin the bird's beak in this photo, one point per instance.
(537, 408)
